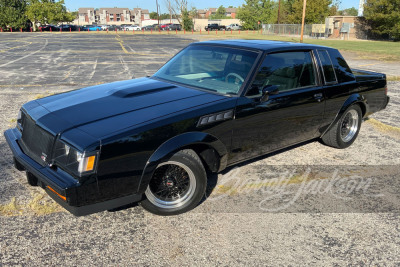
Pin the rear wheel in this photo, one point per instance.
(177, 185)
(346, 129)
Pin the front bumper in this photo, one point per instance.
(66, 189)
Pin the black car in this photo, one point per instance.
(68, 27)
(150, 27)
(174, 27)
(215, 104)
(114, 28)
(49, 28)
(214, 27)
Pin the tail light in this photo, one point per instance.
(386, 90)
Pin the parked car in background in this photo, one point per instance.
(150, 27)
(104, 27)
(164, 26)
(91, 28)
(68, 27)
(125, 25)
(214, 27)
(234, 27)
(49, 27)
(133, 28)
(115, 28)
(174, 27)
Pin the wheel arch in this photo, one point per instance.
(212, 152)
(354, 99)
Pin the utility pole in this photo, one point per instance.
(302, 20)
(158, 15)
(170, 14)
(279, 11)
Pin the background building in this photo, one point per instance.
(206, 13)
(112, 16)
(342, 27)
(85, 15)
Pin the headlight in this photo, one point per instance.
(19, 120)
(74, 161)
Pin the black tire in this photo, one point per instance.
(345, 130)
(177, 186)
(32, 180)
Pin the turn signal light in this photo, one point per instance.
(86, 164)
(55, 192)
(90, 163)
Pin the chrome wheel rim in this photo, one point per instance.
(349, 126)
(173, 184)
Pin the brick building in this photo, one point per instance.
(112, 16)
(206, 13)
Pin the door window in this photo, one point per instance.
(287, 70)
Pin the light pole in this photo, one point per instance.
(302, 21)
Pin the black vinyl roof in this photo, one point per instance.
(265, 45)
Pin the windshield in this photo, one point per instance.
(218, 69)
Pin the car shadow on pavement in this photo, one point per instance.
(212, 178)
(128, 206)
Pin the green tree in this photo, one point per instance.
(166, 16)
(334, 8)
(47, 11)
(221, 11)
(194, 13)
(254, 11)
(285, 11)
(316, 11)
(153, 15)
(383, 16)
(186, 21)
(348, 12)
(12, 14)
(220, 14)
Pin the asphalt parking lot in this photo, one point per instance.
(308, 205)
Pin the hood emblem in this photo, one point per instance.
(43, 157)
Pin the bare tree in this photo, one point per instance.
(176, 8)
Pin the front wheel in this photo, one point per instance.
(177, 185)
(345, 130)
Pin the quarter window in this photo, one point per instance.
(288, 70)
(327, 66)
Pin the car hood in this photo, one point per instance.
(136, 101)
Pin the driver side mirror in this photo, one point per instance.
(269, 90)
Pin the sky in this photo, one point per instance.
(73, 5)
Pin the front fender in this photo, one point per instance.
(171, 146)
(351, 100)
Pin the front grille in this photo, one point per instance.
(35, 141)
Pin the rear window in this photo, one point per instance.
(343, 71)
(327, 66)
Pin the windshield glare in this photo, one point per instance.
(218, 69)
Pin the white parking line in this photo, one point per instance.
(30, 54)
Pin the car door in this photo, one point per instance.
(292, 115)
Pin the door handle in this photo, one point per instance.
(318, 96)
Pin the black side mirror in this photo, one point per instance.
(269, 90)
